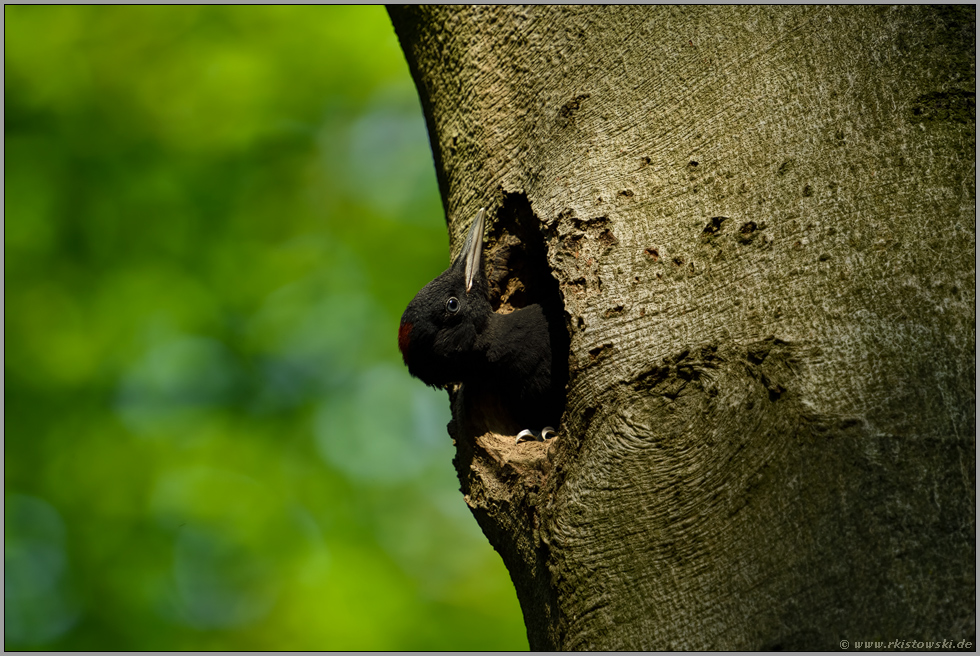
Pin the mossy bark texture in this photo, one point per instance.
(761, 221)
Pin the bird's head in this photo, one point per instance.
(438, 333)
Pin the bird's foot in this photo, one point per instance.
(529, 436)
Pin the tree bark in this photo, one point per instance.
(761, 221)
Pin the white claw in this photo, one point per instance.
(530, 436)
(525, 436)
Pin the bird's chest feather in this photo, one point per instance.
(518, 348)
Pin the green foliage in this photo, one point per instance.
(214, 217)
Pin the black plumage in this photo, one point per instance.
(449, 333)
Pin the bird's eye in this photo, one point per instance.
(452, 304)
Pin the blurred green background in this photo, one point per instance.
(214, 218)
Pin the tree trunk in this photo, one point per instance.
(761, 221)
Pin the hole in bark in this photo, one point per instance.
(607, 238)
(714, 225)
(520, 277)
(747, 232)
